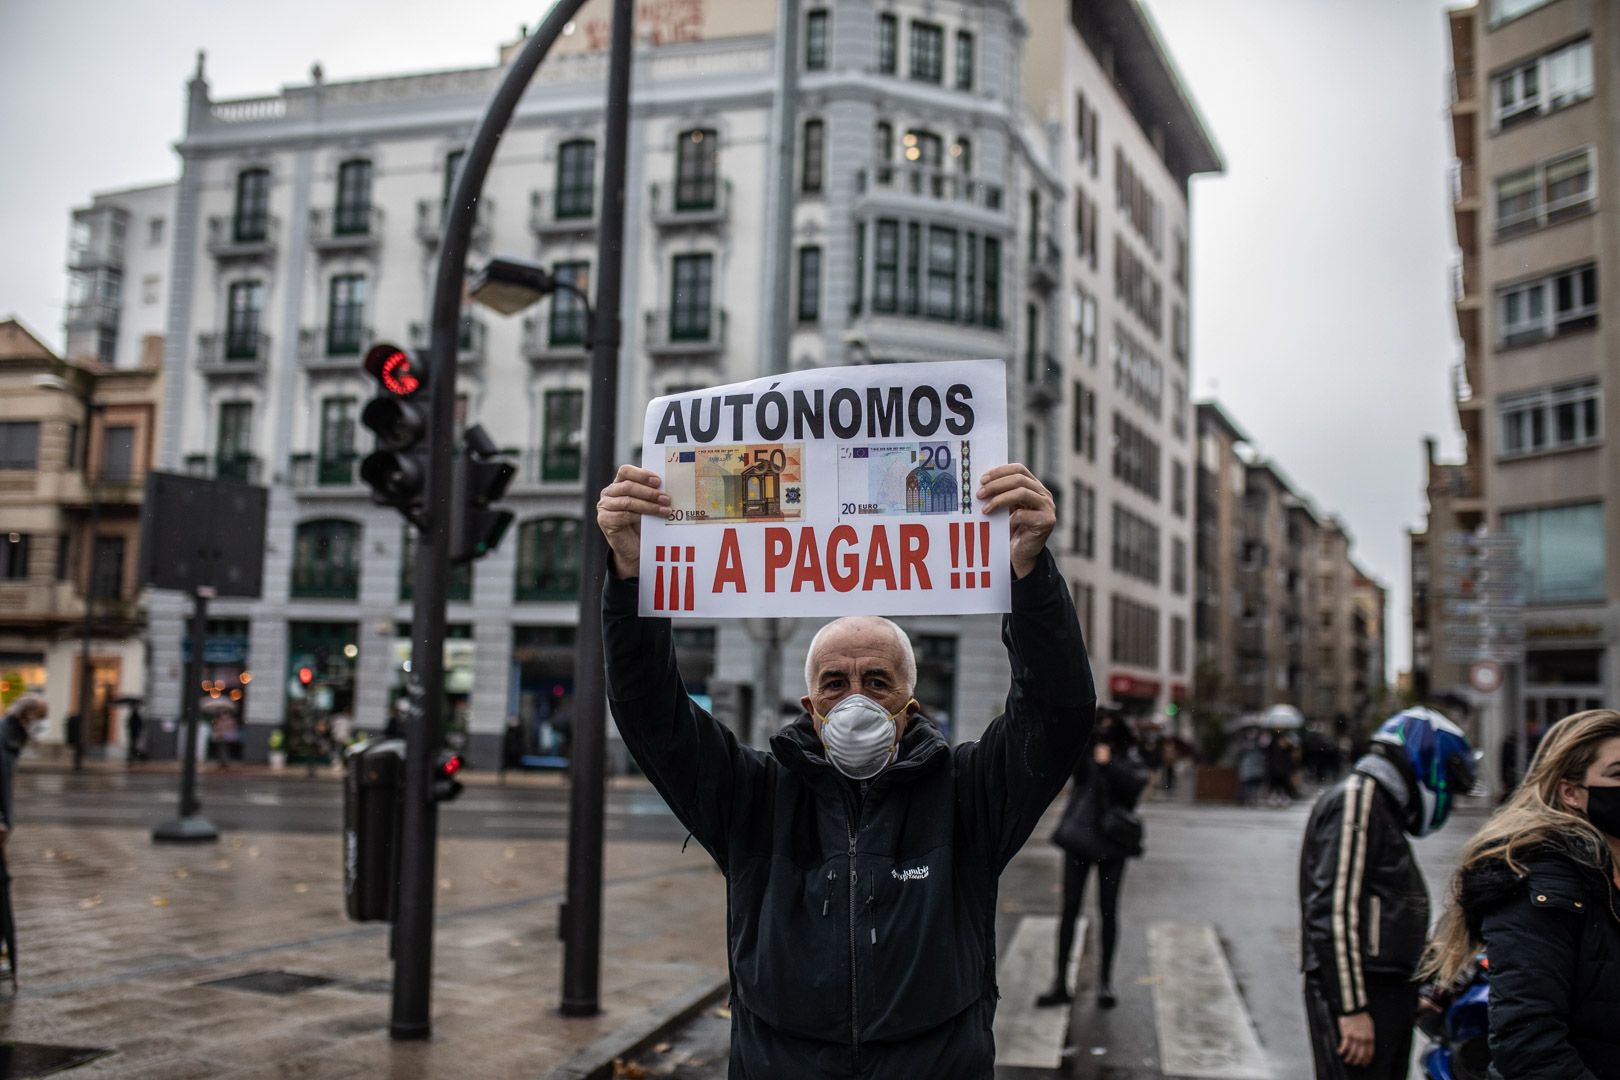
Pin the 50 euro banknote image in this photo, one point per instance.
(747, 482)
(903, 478)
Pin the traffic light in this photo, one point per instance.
(397, 470)
(480, 478)
(445, 767)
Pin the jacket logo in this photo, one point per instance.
(916, 873)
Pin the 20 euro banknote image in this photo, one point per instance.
(753, 482)
(903, 478)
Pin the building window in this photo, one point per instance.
(1085, 133)
(1560, 418)
(107, 568)
(1085, 422)
(19, 444)
(1133, 633)
(154, 232)
(346, 315)
(1561, 551)
(548, 559)
(564, 438)
(1178, 489)
(1503, 10)
(809, 284)
(696, 170)
(886, 267)
(859, 298)
(1083, 313)
(252, 220)
(1137, 287)
(913, 267)
(1178, 645)
(14, 556)
(452, 163)
(990, 312)
(151, 288)
(691, 312)
(964, 60)
(936, 680)
(962, 151)
(927, 52)
(246, 304)
(942, 273)
(1136, 457)
(970, 278)
(1546, 193)
(1138, 375)
(1178, 566)
(1135, 546)
(883, 143)
(1085, 603)
(815, 40)
(1085, 227)
(888, 44)
(352, 216)
(576, 179)
(461, 577)
(1525, 313)
(569, 323)
(233, 453)
(1083, 522)
(118, 453)
(326, 561)
(336, 462)
(812, 157)
(1542, 85)
(1179, 409)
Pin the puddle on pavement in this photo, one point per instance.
(272, 982)
(22, 1059)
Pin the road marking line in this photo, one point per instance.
(1028, 1037)
(1204, 1030)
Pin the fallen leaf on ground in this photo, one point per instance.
(222, 864)
(160, 901)
(300, 887)
(253, 853)
(511, 853)
(627, 1070)
(89, 902)
(445, 884)
(662, 1048)
(50, 854)
(182, 873)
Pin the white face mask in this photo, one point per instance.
(860, 736)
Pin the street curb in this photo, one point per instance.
(595, 1062)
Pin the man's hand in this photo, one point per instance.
(1356, 1039)
(1032, 514)
(633, 493)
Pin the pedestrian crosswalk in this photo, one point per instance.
(1027, 1037)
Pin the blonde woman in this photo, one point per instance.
(1536, 889)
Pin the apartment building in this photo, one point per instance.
(1434, 672)
(1533, 99)
(1284, 615)
(950, 172)
(76, 440)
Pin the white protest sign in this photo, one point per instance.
(839, 491)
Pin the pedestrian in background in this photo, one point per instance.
(1098, 828)
(511, 746)
(135, 726)
(1364, 906)
(1281, 761)
(25, 719)
(1536, 890)
(1251, 767)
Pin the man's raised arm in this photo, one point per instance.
(696, 764)
(1023, 759)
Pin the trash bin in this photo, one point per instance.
(372, 799)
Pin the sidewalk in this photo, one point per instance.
(119, 939)
(529, 778)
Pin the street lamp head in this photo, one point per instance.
(509, 284)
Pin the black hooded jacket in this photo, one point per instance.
(1553, 942)
(861, 923)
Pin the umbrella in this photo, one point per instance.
(8, 922)
(219, 705)
(1283, 716)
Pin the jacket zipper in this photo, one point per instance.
(854, 1007)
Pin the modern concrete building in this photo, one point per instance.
(1434, 673)
(949, 169)
(1534, 99)
(76, 440)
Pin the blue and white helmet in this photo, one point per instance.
(1440, 757)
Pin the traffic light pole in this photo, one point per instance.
(410, 1016)
(582, 916)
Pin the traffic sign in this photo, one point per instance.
(1486, 676)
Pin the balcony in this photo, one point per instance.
(469, 343)
(930, 183)
(1465, 282)
(553, 469)
(347, 230)
(236, 468)
(1043, 380)
(112, 486)
(234, 354)
(311, 474)
(335, 348)
(430, 215)
(1464, 110)
(1465, 205)
(545, 220)
(93, 314)
(1045, 265)
(672, 333)
(96, 254)
(546, 343)
(708, 207)
(232, 237)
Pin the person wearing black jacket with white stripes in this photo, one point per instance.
(1364, 906)
(862, 854)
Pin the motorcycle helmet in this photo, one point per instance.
(1440, 759)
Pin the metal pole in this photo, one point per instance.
(581, 925)
(86, 683)
(411, 1016)
(191, 825)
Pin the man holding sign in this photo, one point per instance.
(862, 853)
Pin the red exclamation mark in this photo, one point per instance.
(970, 579)
(691, 591)
(675, 580)
(956, 554)
(984, 552)
(658, 579)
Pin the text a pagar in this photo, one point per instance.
(797, 560)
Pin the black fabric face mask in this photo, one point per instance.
(1603, 809)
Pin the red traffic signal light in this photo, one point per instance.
(445, 767)
(306, 676)
(395, 369)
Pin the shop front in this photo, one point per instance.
(543, 680)
(458, 681)
(321, 660)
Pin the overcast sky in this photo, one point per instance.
(1321, 308)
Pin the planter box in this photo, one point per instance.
(1217, 783)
